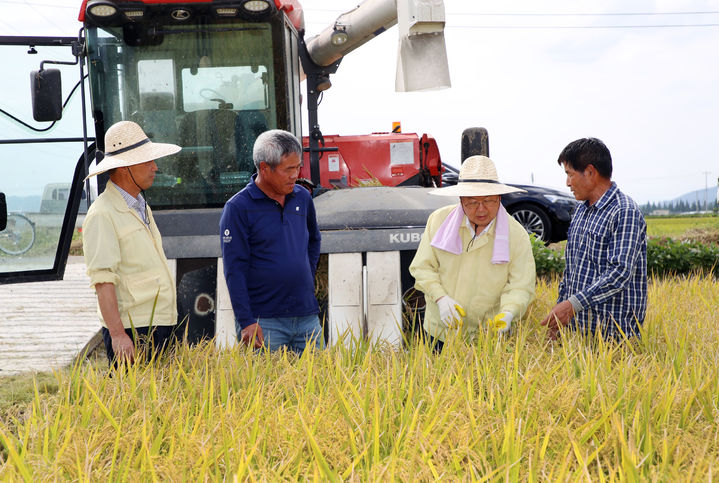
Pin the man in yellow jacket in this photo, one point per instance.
(474, 262)
(123, 249)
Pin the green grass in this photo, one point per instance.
(76, 243)
(45, 243)
(492, 409)
(676, 227)
(19, 390)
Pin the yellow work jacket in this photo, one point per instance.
(480, 287)
(120, 248)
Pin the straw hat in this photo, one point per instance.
(126, 144)
(477, 177)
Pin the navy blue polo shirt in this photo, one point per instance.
(270, 254)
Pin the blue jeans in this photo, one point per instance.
(292, 332)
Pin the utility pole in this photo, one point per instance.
(706, 189)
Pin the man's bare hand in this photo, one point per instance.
(252, 334)
(560, 315)
(553, 334)
(123, 347)
(122, 344)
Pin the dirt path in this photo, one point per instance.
(45, 325)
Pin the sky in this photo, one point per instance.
(641, 75)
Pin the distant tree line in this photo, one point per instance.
(678, 207)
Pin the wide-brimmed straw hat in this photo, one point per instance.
(477, 177)
(126, 144)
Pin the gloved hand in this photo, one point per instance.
(450, 312)
(502, 322)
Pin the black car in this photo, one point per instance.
(544, 211)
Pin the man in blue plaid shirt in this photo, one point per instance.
(604, 286)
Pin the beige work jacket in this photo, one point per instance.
(482, 288)
(120, 248)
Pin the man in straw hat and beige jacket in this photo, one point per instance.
(123, 249)
(474, 262)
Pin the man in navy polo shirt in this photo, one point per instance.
(270, 248)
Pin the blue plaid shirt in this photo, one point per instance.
(605, 278)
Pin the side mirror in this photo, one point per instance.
(46, 87)
(3, 212)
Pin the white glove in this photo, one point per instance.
(502, 322)
(450, 312)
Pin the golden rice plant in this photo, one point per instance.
(514, 408)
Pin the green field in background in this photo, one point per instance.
(677, 226)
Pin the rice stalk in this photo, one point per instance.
(489, 408)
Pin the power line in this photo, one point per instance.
(494, 27)
(541, 14)
(450, 26)
(577, 14)
(10, 26)
(43, 14)
(463, 14)
(558, 27)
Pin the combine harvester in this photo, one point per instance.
(210, 76)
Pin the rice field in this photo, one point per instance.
(678, 226)
(510, 409)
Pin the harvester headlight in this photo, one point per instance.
(339, 35)
(101, 9)
(256, 6)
